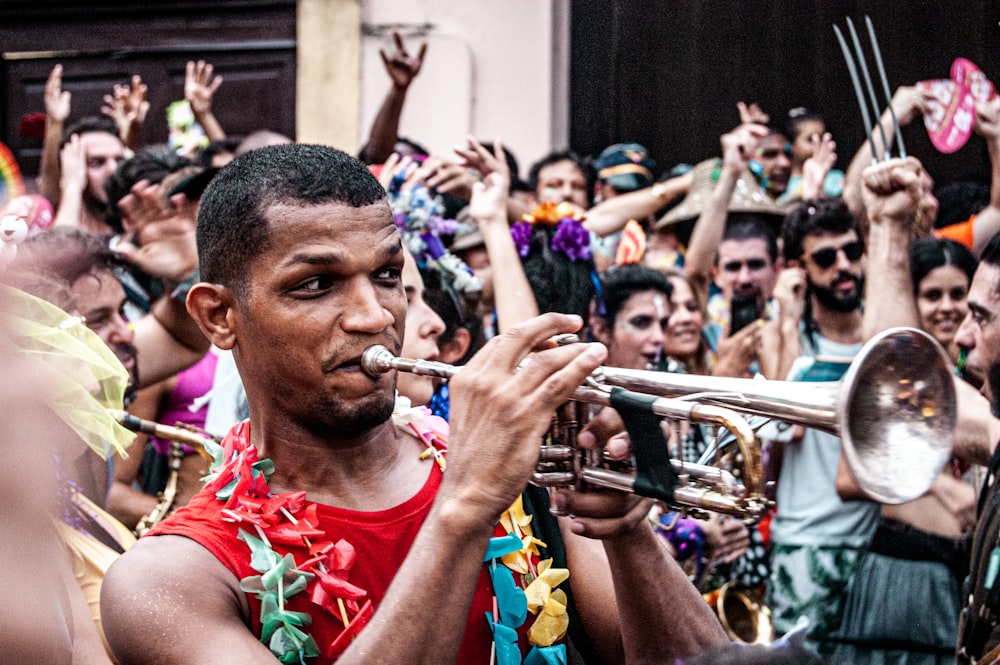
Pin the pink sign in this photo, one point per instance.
(951, 114)
(964, 72)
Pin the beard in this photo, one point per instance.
(126, 353)
(326, 417)
(833, 300)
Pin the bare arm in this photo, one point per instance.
(160, 241)
(57, 110)
(515, 301)
(632, 596)
(988, 219)
(402, 69)
(128, 107)
(72, 183)
(908, 103)
(199, 90)
(611, 216)
(737, 150)
(892, 194)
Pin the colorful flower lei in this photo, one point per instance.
(419, 216)
(570, 237)
(240, 478)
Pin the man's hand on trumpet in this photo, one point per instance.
(604, 514)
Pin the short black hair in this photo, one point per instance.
(562, 156)
(152, 163)
(751, 225)
(621, 282)
(991, 255)
(90, 124)
(926, 254)
(960, 200)
(232, 222)
(814, 217)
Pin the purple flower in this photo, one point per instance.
(521, 233)
(572, 239)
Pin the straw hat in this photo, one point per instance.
(748, 196)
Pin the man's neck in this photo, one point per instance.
(839, 327)
(374, 470)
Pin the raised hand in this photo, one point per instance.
(894, 191)
(752, 113)
(816, 168)
(738, 146)
(159, 233)
(200, 86)
(128, 107)
(73, 167)
(909, 102)
(400, 65)
(502, 404)
(988, 119)
(57, 100)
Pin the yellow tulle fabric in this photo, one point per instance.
(83, 377)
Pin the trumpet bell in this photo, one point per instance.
(899, 412)
(894, 409)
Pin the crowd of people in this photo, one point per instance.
(324, 512)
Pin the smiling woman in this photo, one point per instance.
(942, 271)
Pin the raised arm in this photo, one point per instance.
(515, 301)
(199, 91)
(988, 219)
(128, 107)
(892, 194)
(160, 241)
(908, 103)
(72, 183)
(57, 109)
(402, 69)
(610, 216)
(737, 151)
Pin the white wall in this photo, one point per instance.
(493, 69)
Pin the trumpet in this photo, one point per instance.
(563, 464)
(894, 410)
(178, 436)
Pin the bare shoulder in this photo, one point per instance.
(173, 588)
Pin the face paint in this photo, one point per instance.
(661, 311)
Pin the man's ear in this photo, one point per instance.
(213, 308)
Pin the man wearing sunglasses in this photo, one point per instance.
(816, 537)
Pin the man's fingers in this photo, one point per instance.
(507, 350)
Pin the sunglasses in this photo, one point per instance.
(824, 258)
(752, 265)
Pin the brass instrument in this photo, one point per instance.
(894, 410)
(178, 436)
(743, 614)
(564, 465)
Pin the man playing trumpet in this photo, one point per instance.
(349, 544)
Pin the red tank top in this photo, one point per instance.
(380, 541)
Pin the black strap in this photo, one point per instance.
(655, 476)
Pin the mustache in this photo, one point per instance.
(347, 353)
(124, 351)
